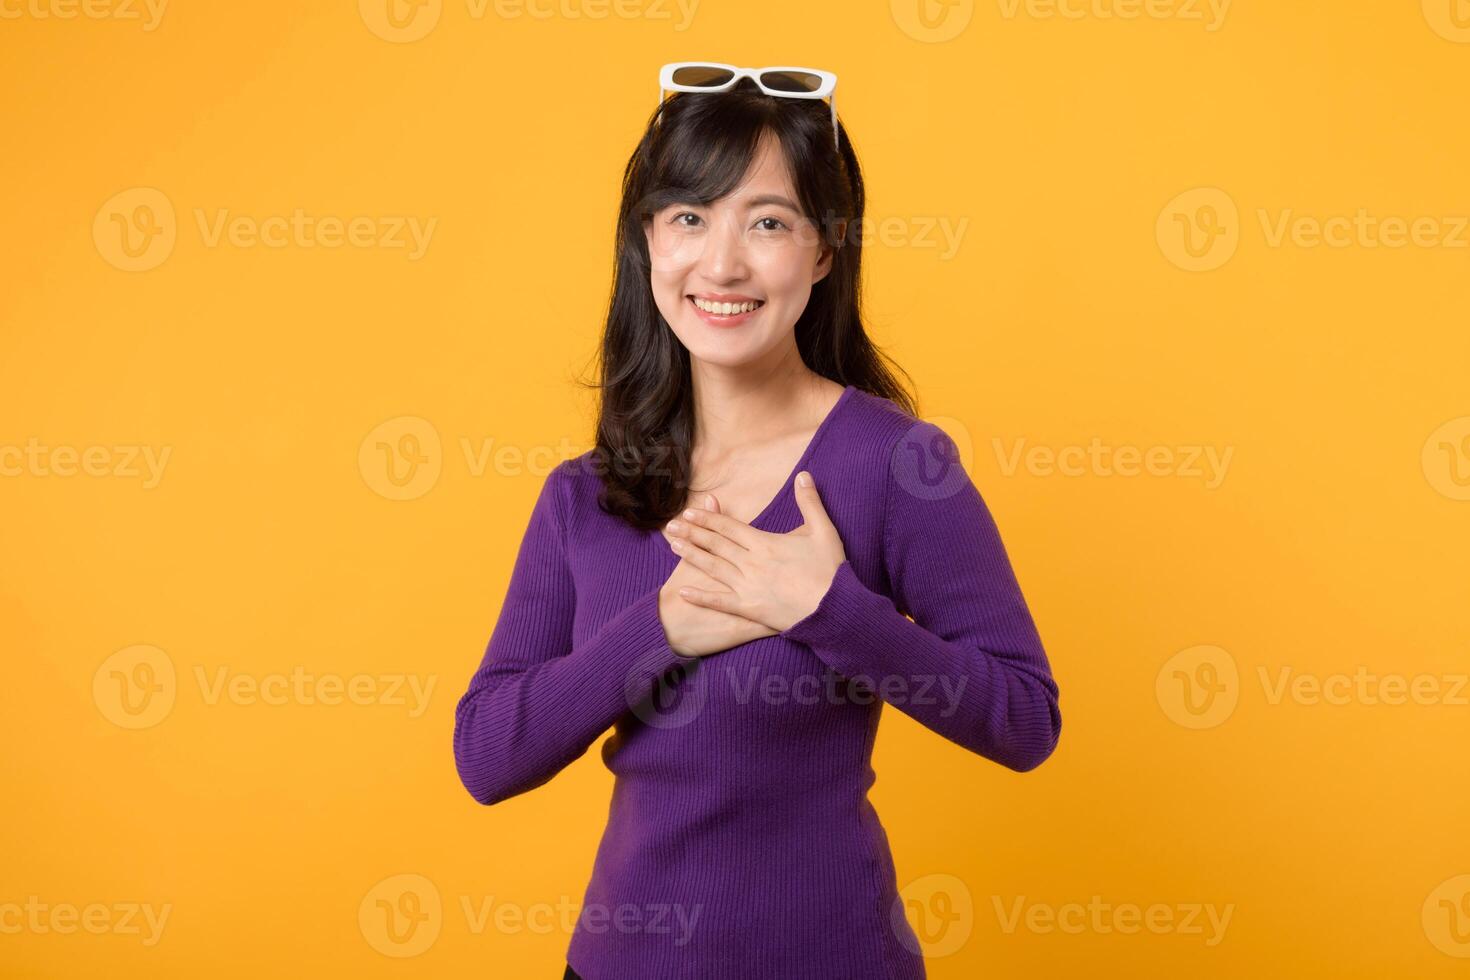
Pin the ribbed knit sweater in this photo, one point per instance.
(740, 840)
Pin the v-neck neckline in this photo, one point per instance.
(806, 455)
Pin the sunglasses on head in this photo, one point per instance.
(791, 83)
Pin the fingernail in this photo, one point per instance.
(684, 592)
(709, 502)
(673, 525)
(803, 479)
(689, 513)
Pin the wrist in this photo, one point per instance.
(813, 600)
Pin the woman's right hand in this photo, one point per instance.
(697, 631)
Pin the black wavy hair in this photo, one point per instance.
(697, 148)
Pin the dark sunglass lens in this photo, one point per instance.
(792, 81)
(702, 76)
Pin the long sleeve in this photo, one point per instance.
(970, 664)
(536, 703)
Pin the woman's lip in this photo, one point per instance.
(719, 320)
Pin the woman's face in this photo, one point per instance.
(751, 246)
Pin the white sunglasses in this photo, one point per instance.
(791, 83)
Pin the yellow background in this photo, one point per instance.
(1069, 146)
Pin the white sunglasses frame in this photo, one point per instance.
(827, 90)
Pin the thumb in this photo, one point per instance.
(810, 503)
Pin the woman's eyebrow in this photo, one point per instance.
(778, 199)
(755, 201)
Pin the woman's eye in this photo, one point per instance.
(776, 224)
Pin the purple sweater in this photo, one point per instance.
(740, 841)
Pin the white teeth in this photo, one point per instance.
(724, 309)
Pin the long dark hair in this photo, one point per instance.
(697, 148)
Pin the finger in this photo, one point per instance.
(810, 503)
(737, 531)
(710, 503)
(715, 567)
(715, 544)
(719, 601)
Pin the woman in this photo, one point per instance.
(740, 628)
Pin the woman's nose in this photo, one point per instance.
(723, 257)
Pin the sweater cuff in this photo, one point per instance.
(845, 606)
(638, 633)
(857, 631)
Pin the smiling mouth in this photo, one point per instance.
(730, 310)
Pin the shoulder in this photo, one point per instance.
(882, 433)
(570, 477)
(875, 420)
(908, 460)
(577, 485)
(568, 485)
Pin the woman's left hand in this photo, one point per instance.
(774, 579)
